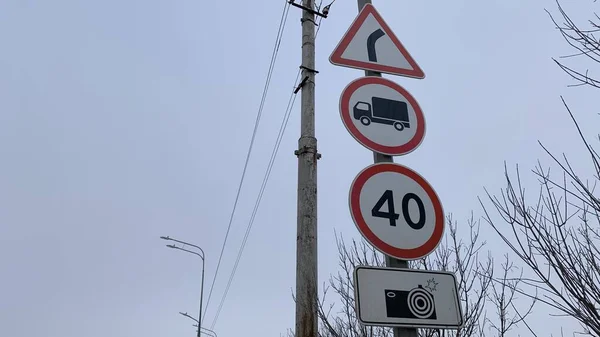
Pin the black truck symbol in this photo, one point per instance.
(383, 111)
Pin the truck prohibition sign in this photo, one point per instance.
(382, 116)
(383, 111)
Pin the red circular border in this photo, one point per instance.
(399, 253)
(347, 118)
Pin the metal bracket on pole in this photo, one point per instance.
(308, 69)
(301, 84)
(306, 149)
(310, 10)
(311, 20)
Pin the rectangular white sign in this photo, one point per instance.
(406, 298)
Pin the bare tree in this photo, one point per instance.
(584, 41)
(474, 275)
(557, 237)
(556, 233)
(502, 296)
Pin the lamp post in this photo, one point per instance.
(202, 282)
(211, 332)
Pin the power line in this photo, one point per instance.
(281, 28)
(282, 129)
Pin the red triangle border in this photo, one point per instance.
(337, 59)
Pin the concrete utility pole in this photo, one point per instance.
(382, 158)
(306, 244)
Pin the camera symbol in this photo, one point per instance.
(416, 303)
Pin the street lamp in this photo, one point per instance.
(185, 314)
(201, 257)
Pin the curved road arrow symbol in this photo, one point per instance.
(371, 44)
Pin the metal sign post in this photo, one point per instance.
(382, 158)
(393, 207)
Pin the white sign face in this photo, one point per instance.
(382, 116)
(370, 44)
(406, 298)
(397, 211)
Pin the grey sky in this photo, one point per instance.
(121, 121)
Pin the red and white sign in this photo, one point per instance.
(370, 44)
(382, 116)
(396, 211)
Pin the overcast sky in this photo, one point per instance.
(121, 121)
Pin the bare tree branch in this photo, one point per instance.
(474, 274)
(584, 41)
(556, 236)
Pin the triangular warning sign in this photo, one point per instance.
(370, 44)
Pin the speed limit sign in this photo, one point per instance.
(397, 211)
